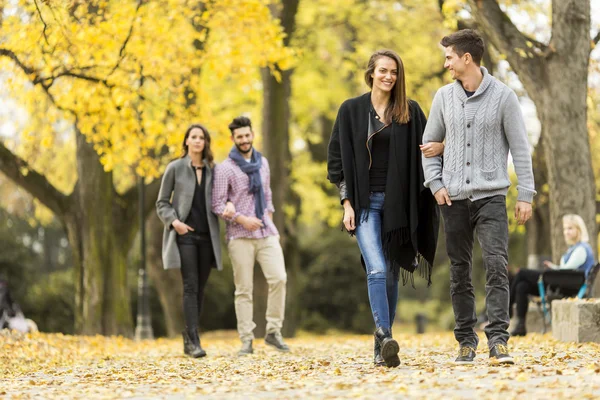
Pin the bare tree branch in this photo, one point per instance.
(596, 38)
(37, 7)
(51, 79)
(19, 171)
(129, 34)
(524, 54)
(10, 54)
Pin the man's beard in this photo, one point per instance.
(239, 147)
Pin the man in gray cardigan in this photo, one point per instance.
(480, 119)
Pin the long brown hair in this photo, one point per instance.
(207, 152)
(397, 109)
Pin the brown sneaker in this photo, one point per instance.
(466, 356)
(499, 353)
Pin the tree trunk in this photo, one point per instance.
(539, 247)
(276, 117)
(555, 76)
(276, 114)
(167, 282)
(99, 236)
(563, 113)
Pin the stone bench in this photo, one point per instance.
(576, 320)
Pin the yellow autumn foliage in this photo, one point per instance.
(320, 367)
(125, 71)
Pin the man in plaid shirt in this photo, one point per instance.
(245, 180)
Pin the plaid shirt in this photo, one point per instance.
(231, 183)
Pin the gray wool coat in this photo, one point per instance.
(175, 202)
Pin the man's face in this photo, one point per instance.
(242, 138)
(455, 64)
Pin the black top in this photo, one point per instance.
(198, 218)
(411, 215)
(380, 154)
(469, 94)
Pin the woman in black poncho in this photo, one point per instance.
(375, 159)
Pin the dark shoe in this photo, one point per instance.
(389, 347)
(520, 329)
(191, 343)
(466, 355)
(377, 359)
(276, 340)
(499, 353)
(246, 348)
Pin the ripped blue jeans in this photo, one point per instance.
(381, 284)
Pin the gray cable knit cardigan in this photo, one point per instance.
(479, 131)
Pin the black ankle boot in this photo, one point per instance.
(377, 359)
(520, 329)
(191, 343)
(389, 347)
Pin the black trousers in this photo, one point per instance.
(487, 218)
(524, 284)
(197, 259)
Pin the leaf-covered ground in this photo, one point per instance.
(335, 366)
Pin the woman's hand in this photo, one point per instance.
(181, 228)
(349, 219)
(229, 210)
(432, 149)
(548, 265)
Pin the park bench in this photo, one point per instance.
(566, 304)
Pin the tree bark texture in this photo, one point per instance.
(555, 77)
(167, 283)
(100, 225)
(276, 117)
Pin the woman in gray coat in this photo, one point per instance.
(191, 236)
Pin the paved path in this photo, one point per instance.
(323, 367)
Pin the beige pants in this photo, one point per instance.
(243, 254)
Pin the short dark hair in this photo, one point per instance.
(240, 122)
(465, 41)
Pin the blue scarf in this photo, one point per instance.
(252, 169)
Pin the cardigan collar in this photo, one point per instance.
(485, 83)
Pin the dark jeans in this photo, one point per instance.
(197, 259)
(488, 218)
(524, 284)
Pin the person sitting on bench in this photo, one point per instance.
(579, 256)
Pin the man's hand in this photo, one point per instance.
(349, 218)
(523, 212)
(249, 223)
(180, 227)
(441, 196)
(229, 210)
(432, 149)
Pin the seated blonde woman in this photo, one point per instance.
(579, 256)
